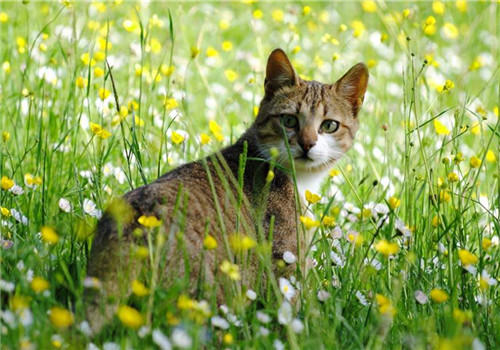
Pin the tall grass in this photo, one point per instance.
(415, 201)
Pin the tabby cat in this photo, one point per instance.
(245, 188)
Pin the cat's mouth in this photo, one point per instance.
(304, 157)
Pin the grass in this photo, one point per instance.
(413, 260)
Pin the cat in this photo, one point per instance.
(245, 188)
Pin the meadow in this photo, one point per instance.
(97, 98)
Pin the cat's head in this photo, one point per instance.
(318, 120)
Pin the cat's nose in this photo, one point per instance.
(306, 145)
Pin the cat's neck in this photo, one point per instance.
(311, 181)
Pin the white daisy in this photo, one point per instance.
(286, 288)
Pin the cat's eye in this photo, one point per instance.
(289, 121)
(329, 126)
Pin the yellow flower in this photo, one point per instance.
(87, 60)
(209, 242)
(177, 138)
(171, 103)
(4, 211)
(31, 180)
(365, 213)
(453, 177)
(204, 139)
(3, 17)
(371, 63)
(440, 128)
(98, 72)
(328, 221)
(21, 44)
(99, 131)
(240, 242)
(257, 14)
(476, 64)
(211, 52)
(185, 303)
(130, 25)
(255, 110)
(462, 316)
(5, 136)
(450, 30)
(19, 302)
(130, 317)
(438, 7)
(277, 15)
(486, 243)
(104, 93)
(227, 45)
(306, 10)
(438, 295)
(467, 258)
(334, 172)
(430, 25)
(167, 70)
(369, 6)
(99, 55)
(358, 28)
(155, 46)
(475, 162)
(384, 305)
(149, 221)
(195, 51)
(61, 318)
(387, 248)
(81, 82)
(139, 289)
(394, 202)
(232, 270)
(490, 156)
(216, 130)
(435, 221)
(231, 75)
(444, 196)
(270, 176)
(461, 5)
(228, 339)
(308, 222)
(6, 183)
(447, 86)
(49, 235)
(312, 198)
(39, 284)
(355, 238)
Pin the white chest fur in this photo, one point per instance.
(308, 180)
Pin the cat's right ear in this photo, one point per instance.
(352, 86)
(279, 72)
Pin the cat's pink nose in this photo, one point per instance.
(306, 145)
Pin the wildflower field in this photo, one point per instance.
(97, 98)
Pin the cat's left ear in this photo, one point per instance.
(279, 72)
(352, 86)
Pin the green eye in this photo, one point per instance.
(289, 121)
(329, 126)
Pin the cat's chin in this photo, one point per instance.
(311, 165)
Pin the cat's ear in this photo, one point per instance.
(279, 72)
(352, 86)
